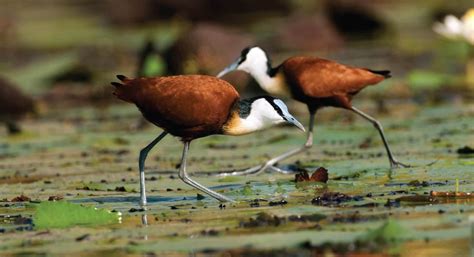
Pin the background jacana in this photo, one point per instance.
(314, 81)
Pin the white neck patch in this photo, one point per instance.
(262, 115)
(256, 63)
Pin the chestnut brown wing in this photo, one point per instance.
(184, 105)
(318, 78)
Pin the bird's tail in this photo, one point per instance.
(385, 73)
(121, 91)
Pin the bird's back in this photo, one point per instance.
(321, 78)
(187, 106)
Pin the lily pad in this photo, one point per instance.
(390, 232)
(63, 214)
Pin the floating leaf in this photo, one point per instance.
(21, 198)
(153, 66)
(390, 232)
(246, 190)
(229, 179)
(319, 175)
(422, 79)
(63, 214)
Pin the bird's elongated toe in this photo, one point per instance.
(394, 164)
(280, 170)
(256, 170)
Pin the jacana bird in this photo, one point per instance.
(195, 106)
(314, 81)
(14, 104)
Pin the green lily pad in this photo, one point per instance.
(64, 214)
(422, 79)
(390, 232)
(246, 190)
(153, 66)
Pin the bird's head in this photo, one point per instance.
(251, 60)
(258, 113)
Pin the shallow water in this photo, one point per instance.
(94, 163)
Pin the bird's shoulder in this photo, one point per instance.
(314, 65)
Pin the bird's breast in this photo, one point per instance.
(276, 85)
(236, 126)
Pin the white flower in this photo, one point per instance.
(468, 20)
(455, 28)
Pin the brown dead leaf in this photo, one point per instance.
(21, 198)
(320, 175)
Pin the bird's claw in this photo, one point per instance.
(431, 163)
(280, 170)
(255, 171)
(263, 169)
(396, 165)
(248, 171)
(274, 168)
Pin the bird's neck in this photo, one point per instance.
(271, 80)
(243, 121)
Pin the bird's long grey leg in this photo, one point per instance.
(269, 165)
(393, 162)
(184, 176)
(141, 166)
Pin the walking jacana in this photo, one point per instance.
(195, 106)
(14, 104)
(314, 81)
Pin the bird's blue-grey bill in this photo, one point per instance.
(295, 122)
(228, 69)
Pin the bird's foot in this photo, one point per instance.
(248, 171)
(394, 164)
(280, 170)
(257, 170)
(431, 163)
(224, 199)
(269, 167)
